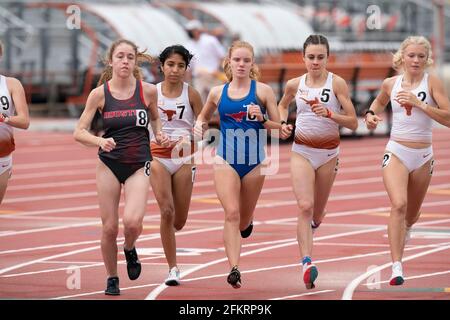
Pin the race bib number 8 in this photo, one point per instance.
(141, 118)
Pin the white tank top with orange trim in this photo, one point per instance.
(6, 131)
(411, 123)
(177, 119)
(310, 129)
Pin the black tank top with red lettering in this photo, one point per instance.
(126, 122)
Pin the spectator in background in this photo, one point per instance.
(208, 55)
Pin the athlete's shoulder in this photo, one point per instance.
(217, 90)
(433, 79)
(192, 91)
(339, 83)
(338, 79)
(13, 83)
(97, 94)
(390, 81)
(148, 87)
(263, 87)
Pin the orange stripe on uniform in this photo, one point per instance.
(166, 152)
(319, 143)
(159, 151)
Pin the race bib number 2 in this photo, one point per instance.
(386, 159)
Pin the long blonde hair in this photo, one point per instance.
(140, 58)
(254, 71)
(397, 60)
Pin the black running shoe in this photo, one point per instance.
(234, 278)
(248, 231)
(133, 263)
(112, 286)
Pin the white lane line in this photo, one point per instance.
(348, 292)
(144, 238)
(102, 292)
(95, 264)
(158, 290)
(154, 294)
(303, 295)
(425, 275)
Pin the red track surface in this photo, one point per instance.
(50, 230)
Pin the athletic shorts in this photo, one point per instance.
(172, 166)
(123, 171)
(317, 157)
(411, 158)
(5, 164)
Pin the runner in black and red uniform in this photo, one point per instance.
(125, 103)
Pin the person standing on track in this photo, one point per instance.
(323, 104)
(125, 103)
(13, 113)
(417, 98)
(243, 104)
(173, 173)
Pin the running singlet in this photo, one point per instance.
(411, 123)
(126, 122)
(7, 145)
(177, 119)
(312, 130)
(242, 139)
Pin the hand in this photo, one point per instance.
(254, 111)
(162, 139)
(407, 98)
(199, 130)
(372, 121)
(107, 144)
(286, 131)
(320, 110)
(4, 117)
(183, 143)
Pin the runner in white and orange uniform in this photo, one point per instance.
(417, 98)
(323, 104)
(13, 113)
(173, 170)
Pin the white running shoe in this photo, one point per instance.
(310, 274)
(397, 274)
(174, 277)
(407, 234)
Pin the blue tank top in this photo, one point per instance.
(242, 139)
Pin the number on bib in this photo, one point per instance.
(141, 118)
(5, 102)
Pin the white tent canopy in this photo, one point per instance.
(266, 27)
(148, 27)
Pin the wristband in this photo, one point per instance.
(5, 118)
(283, 122)
(369, 111)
